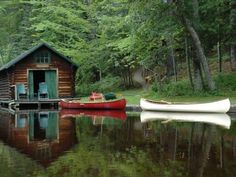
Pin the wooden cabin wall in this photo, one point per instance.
(66, 77)
(66, 72)
(5, 124)
(5, 89)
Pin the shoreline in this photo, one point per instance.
(137, 108)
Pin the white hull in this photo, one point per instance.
(219, 119)
(221, 106)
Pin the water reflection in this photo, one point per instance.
(210, 118)
(206, 149)
(116, 144)
(113, 114)
(41, 135)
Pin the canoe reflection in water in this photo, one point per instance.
(41, 135)
(98, 120)
(95, 115)
(219, 119)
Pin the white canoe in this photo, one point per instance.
(221, 106)
(220, 119)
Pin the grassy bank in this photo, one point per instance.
(172, 91)
(133, 97)
(181, 91)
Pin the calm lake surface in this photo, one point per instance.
(115, 143)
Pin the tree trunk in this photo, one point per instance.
(233, 57)
(190, 142)
(219, 55)
(198, 79)
(198, 82)
(204, 152)
(175, 144)
(200, 53)
(197, 74)
(188, 62)
(130, 78)
(174, 62)
(123, 74)
(222, 145)
(171, 63)
(233, 35)
(196, 13)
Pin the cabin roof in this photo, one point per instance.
(30, 51)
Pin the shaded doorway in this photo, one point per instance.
(39, 76)
(43, 125)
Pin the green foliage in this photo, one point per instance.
(226, 85)
(62, 24)
(226, 82)
(107, 84)
(153, 26)
(14, 34)
(15, 163)
(114, 38)
(179, 88)
(215, 24)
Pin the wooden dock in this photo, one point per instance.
(30, 104)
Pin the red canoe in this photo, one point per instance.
(116, 114)
(77, 104)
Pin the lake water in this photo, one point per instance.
(117, 144)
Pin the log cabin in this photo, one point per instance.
(40, 64)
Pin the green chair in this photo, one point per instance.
(21, 91)
(43, 120)
(21, 120)
(43, 91)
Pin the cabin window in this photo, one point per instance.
(43, 57)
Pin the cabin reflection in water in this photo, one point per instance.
(43, 126)
(41, 135)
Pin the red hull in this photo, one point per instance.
(117, 114)
(114, 104)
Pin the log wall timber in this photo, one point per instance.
(5, 124)
(65, 73)
(4, 86)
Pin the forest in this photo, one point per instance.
(175, 47)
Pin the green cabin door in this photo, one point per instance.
(49, 77)
(31, 126)
(51, 81)
(31, 85)
(52, 128)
